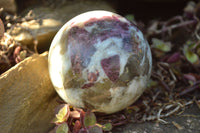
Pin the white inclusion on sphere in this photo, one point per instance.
(124, 96)
(55, 65)
(144, 50)
(55, 61)
(105, 49)
(90, 28)
(59, 65)
(149, 56)
(74, 96)
(80, 19)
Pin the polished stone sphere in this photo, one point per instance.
(100, 61)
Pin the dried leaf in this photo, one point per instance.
(161, 45)
(174, 58)
(62, 128)
(190, 77)
(89, 119)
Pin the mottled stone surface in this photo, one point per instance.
(27, 97)
(101, 61)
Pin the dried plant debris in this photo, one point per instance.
(175, 80)
(12, 20)
(178, 126)
(11, 52)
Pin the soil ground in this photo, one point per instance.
(188, 121)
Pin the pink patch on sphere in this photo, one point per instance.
(111, 67)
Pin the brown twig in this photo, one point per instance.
(155, 75)
(171, 27)
(190, 89)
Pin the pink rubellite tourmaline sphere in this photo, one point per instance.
(100, 61)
